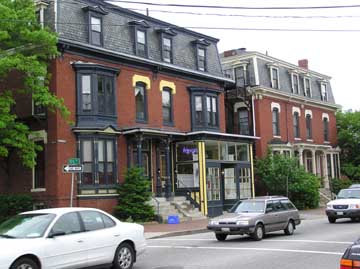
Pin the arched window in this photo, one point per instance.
(296, 124)
(275, 121)
(243, 116)
(140, 101)
(308, 127)
(326, 129)
(167, 105)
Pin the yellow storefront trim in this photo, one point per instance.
(252, 169)
(204, 178)
(171, 85)
(201, 176)
(143, 79)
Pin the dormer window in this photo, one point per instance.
(295, 83)
(307, 87)
(241, 76)
(274, 76)
(166, 37)
(95, 20)
(323, 91)
(201, 54)
(40, 10)
(141, 39)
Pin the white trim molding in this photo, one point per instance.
(275, 105)
(239, 105)
(296, 109)
(325, 116)
(308, 112)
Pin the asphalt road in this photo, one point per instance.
(316, 244)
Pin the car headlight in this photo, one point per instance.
(214, 222)
(355, 206)
(329, 206)
(242, 222)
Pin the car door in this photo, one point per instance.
(65, 246)
(281, 215)
(270, 217)
(101, 236)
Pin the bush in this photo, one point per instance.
(134, 194)
(11, 205)
(283, 176)
(338, 184)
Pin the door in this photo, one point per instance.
(270, 217)
(68, 249)
(282, 214)
(230, 185)
(213, 189)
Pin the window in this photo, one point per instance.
(201, 59)
(92, 220)
(296, 124)
(326, 129)
(98, 158)
(308, 127)
(141, 43)
(295, 83)
(211, 106)
(167, 105)
(324, 94)
(275, 122)
(68, 224)
(229, 73)
(198, 110)
(167, 49)
(307, 87)
(243, 116)
(274, 74)
(241, 76)
(39, 169)
(140, 102)
(95, 31)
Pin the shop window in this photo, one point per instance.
(141, 102)
(275, 122)
(98, 157)
(167, 106)
(229, 183)
(187, 175)
(213, 183)
(308, 127)
(243, 116)
(186, 152)
(242, 152)
(245, 182)
(296, 124)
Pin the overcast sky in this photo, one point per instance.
(336, 54)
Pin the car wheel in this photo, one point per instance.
(258, 233)
(124, 256)
(24, 263)
(289, 230)
(221, 237)
(331, 219)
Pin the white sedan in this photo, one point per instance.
(69, 238)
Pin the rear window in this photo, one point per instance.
(287, 204)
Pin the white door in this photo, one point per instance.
(101, 236)
(68, 248)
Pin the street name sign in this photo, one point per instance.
(74, 161)
(69, 168)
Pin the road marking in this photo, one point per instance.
(252, 249)
(265, 240)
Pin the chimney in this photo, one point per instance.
(303, 63)
(229, 53)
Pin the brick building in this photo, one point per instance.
(293, 109)
(141, 92)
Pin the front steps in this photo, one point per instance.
(325, 196)
(177, 206)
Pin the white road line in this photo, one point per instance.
(252, 249)
(265, 240)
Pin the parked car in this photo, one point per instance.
(69, 238)
(354, 186)
(351, 257)
(346, 205)
(256, 217)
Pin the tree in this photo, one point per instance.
(26, 49)
(348, 129)
(134, 194)
(283, 176)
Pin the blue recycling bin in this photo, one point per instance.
(173, 219)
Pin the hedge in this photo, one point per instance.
(11, 205)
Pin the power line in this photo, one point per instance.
(235, 7)
(248, 16)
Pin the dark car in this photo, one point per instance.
(351, 257)
(256, 217)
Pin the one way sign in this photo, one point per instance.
(68, 168)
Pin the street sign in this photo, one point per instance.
(68, 168)
(74, 161)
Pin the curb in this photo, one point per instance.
(178, 233)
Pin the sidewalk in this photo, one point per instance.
(157, 230)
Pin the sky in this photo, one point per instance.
(335, 54)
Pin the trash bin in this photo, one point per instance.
(173, 219)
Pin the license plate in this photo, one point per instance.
(339, 213)
(225, 229)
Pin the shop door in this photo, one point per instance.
(230, 185)
(213, 190)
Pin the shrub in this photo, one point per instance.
(338, 184)
(11, 205)
(134, 194)
(283, 176)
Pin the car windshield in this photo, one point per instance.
(26, 226)
(250, 206)
(349, 193)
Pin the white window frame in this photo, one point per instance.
(293, 84)
(305, 92)
(37, 136)
(324, 94)
(272, 77)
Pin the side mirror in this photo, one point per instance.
(56, 233)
